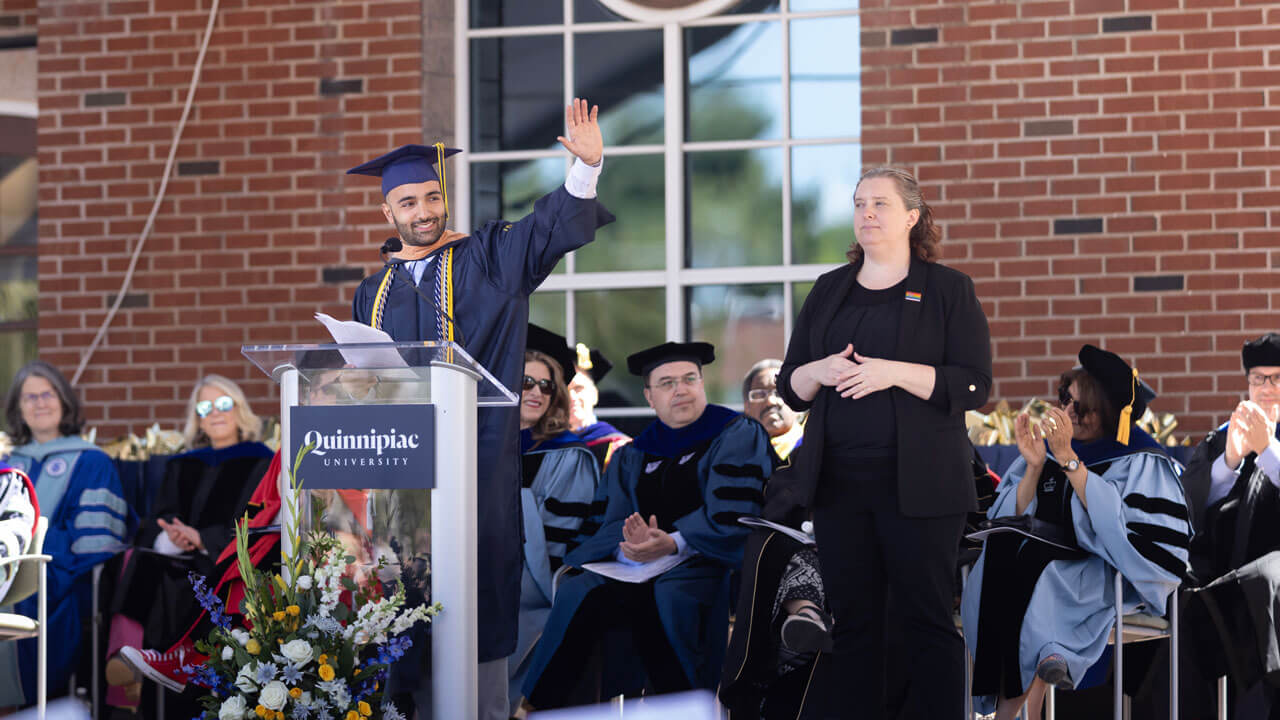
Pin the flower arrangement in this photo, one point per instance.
(316, 644)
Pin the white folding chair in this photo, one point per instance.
(31, 578)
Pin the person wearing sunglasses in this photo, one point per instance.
(1233, 485)
(1090, 493)
(79, 492)
(559, 481)
(204, 490)
(677, 489)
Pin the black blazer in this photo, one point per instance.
(946, 329)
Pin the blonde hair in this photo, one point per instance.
(248, 425)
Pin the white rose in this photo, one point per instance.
(304, 582)
(233, 708)
(241, 636)
(244, 679)
(274, 695)
(297, 651)
(227, 653)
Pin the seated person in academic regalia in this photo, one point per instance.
(263, 510)
(205, 490)
(560, 478)
(1091, 493)
(602, 439)
(677, 490)
(1233, 487)
(18, 513)
(80, 494)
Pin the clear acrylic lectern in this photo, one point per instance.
(428, 536)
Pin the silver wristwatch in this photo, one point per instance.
(1072, 465)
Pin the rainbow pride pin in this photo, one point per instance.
(913, 296)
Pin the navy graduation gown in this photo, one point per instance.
(494, 271)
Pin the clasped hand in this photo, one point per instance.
(645, 542)
(1250, 431)
(856, 378)
(181, 534)
(1054, 427)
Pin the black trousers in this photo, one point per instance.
(870, 556)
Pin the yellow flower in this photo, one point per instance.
(253, 647)
(279, 715)
(293, 610)
(355, 672)
(277, 615)
(364, 708)
(326, 673)
(262, 711)
(295, 693)
(323, 659)
(353, 715)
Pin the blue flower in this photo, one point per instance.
(389, 712)
(209, 600)
(325, 624)
(291, 674)
(300, 711)
(266, 673)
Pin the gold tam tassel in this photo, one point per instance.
(1126, 415)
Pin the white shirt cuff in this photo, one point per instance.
(681, 543)
(165, 546)
(582, 179)
(1269, 461)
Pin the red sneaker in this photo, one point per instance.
(163, 668)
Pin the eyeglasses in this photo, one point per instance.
(669, 384)
(40, 397)
(221, 403)
(544, 385)
(1257, 380)
(763, 394)
(1066, 401)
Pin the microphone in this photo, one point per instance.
(396, 265)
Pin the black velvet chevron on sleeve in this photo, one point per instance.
(1157, 506)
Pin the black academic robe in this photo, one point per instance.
(207, 489)
(494, 271)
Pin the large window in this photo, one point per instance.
(18, 186)
(732, 149)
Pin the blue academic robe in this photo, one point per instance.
(1137, 521)
(494, 271)
(731, 456)
(554, 507)
(89, 521)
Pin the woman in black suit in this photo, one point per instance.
(887, 354)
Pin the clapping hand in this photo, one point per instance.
(1028, 435)
(645, 542)
(584, 139)
(1058, 431)
(1250, 431)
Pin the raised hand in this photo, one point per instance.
(1261, 427)
(584, 139)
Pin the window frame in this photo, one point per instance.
(674, 277)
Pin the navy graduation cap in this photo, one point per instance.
(408, 164)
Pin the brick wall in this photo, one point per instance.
(1105, 170)
(259, 228)
(17, 17)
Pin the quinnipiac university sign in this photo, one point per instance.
(365, 446)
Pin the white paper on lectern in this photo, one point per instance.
(638, 573)
(348, 332)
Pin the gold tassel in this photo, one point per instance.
(1126, 415)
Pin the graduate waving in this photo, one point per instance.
(474, 289)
